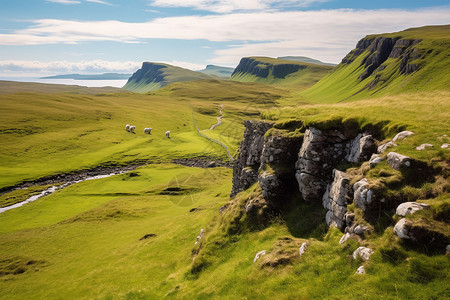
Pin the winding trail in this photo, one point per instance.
(219, 122)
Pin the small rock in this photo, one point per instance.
(397, 161)
(259, 254)
(199, 237)
(423, 146)
(344, 238)
(445, 146)
(362, 252)
(361, 270)
(374, 160)
(383, 147)
(402, 135)
(447, 250)
(402, 229)
(212, 164)
(410, 208)
(302, 249)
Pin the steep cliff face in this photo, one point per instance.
(278, 71)
(152, 76)
(389, 63)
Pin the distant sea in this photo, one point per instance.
(89, 83)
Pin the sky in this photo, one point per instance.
(49, 37)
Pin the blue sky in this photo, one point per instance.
(46, 37)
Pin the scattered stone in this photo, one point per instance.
(361, 270)
(375, 159)
(384, 146)
(199, 237)
(397, 161)
(362, 252)
(363, 196)
(445, 146)
(302, 249)
(344, 238)
(410, 208)
(212, 164)
(258, 255)
(147, 236)
(423, 146)
(402, 135)
(221, 209)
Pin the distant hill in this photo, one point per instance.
(391, 63)
(224, 72)
(306, 60)
(152, 76)
(105, 76)
(267, 70)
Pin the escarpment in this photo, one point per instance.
(311, 164)
(263, 69)
(381, 49)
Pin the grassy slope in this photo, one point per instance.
(343, 84)
(170, 74)
(296, 81)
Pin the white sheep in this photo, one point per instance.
(132, 128)
(168, 134)
(148, 130)
(127, 127)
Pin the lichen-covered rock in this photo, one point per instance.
(402, 135)
(374, 160)
(361, 148)
(363, 196)
(383, 147)
(271, 185)
(397, 161)
(410, 208)
(362, 252)
(335, 199)
(423, 147)
(245, 169)
(280, 150)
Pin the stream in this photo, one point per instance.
(54, 188)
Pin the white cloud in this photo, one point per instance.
(65, 1)
(99, 2)
(327, 34)
(227, 6)
(12, 68)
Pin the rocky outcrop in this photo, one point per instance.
(382, 48)
(245, 169)
(320, 153)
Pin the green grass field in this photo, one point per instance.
(133, 235)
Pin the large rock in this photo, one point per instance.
(397, 161)
(383, 147)
(321, 151)
(402, 135)
(335, 199)
(410, 208)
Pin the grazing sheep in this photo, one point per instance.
(148, 130)
(132, 128)
(127, 127)
(168, 134)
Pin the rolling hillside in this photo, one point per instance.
(415, 59)
(152, 76)
(291, 74)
